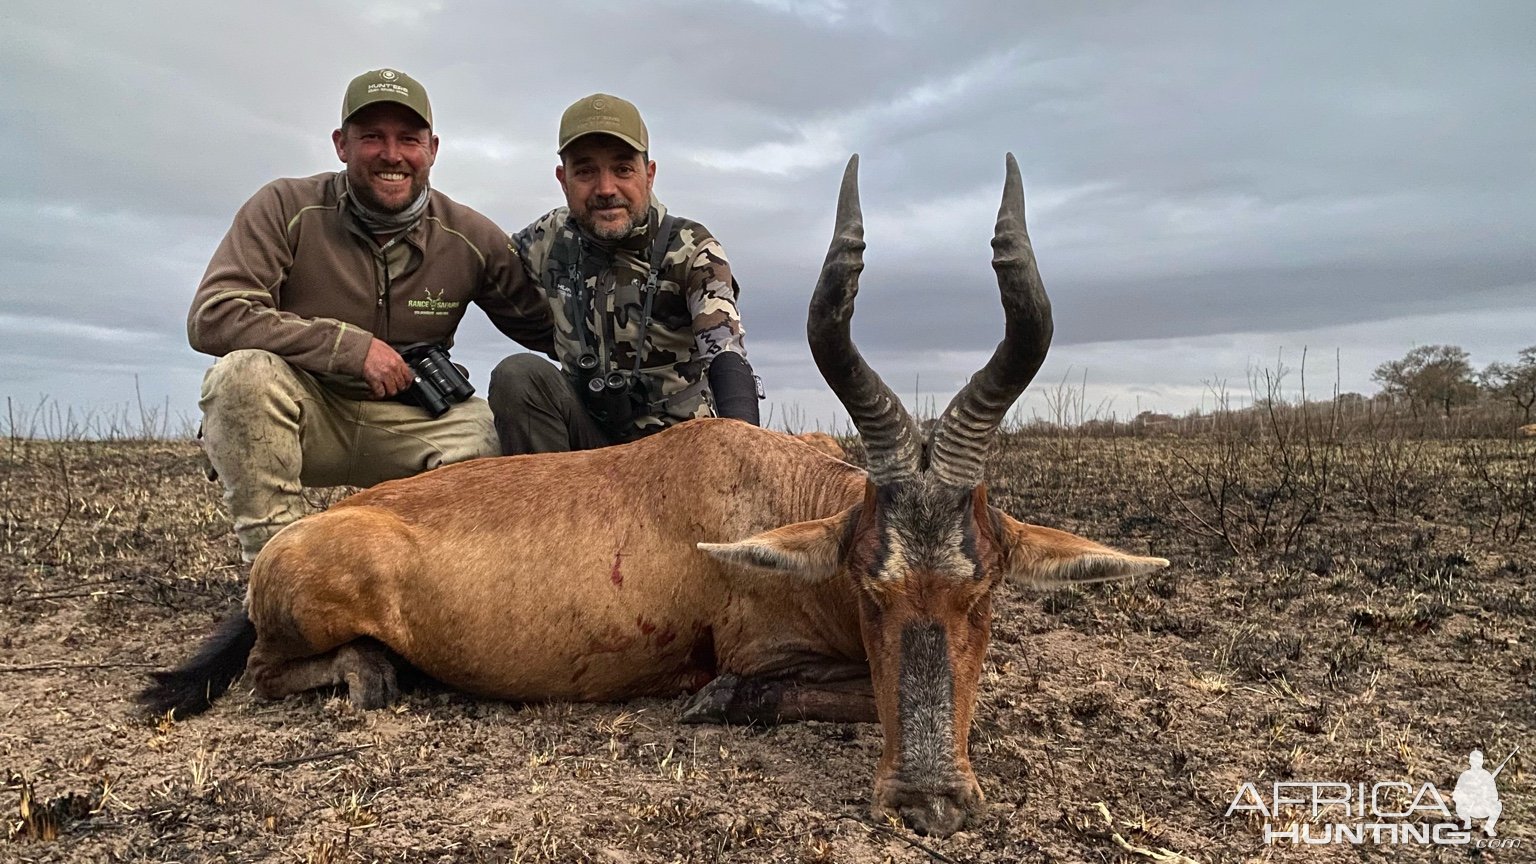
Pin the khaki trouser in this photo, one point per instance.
(271, 429)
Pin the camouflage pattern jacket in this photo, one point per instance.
(693, 314)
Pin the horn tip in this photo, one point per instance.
(1013, 187)
(848, 198)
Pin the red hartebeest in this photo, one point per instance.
(714, 557)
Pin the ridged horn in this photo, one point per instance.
(891, 442)
(958, 449)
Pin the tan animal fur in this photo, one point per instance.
(570, 576)
(824, 443)
(492, 589)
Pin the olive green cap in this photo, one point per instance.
(385, 85)
(605, 115)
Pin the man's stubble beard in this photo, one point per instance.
(364, 192)
(637, 219)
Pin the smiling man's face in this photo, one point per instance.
(607, 185)
(389, 151)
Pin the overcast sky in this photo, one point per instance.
(1211, 187)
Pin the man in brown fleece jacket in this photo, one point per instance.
(312, 292)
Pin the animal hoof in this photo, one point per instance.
(372, 684)
(712, 703)
(372, 695)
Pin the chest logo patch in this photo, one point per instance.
(433, 305)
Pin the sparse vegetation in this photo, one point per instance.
(1350, 600)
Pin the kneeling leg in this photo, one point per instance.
(363, 665)
(733, 699)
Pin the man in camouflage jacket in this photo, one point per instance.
(318, 284)
(646, 326)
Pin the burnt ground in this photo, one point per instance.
(1358, 612)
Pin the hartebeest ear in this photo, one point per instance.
(1046, 557)
(810, 550)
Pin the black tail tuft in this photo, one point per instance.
(191, 687)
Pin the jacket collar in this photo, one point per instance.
(415, 236)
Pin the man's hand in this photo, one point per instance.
(386, 371)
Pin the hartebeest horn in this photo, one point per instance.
(958, 448)
(891, 441)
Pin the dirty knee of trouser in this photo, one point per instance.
(245, 372)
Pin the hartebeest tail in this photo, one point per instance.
(191, 687)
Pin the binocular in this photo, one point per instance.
(439, 384)
(613, 400)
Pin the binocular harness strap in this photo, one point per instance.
(659, 244)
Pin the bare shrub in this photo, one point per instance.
(1258, 477)
(1502, 477)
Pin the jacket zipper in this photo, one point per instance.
(381, 329)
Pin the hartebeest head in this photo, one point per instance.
(924, 550)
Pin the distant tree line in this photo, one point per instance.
(1432, 392)
(1440, 377)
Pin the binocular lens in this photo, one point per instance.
(586, 361)
(437, 383)
(615, 381)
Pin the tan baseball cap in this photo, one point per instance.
(605, 115)
(385, 85)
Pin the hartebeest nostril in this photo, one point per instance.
(939, 816)
(936, 814)
(926, 810)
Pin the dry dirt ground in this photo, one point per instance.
(1368, 617)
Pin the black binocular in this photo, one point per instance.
(439, 384)
(613, 400)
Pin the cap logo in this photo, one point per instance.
(388, 74)
(602, 113)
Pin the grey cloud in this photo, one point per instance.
(1209, 178)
